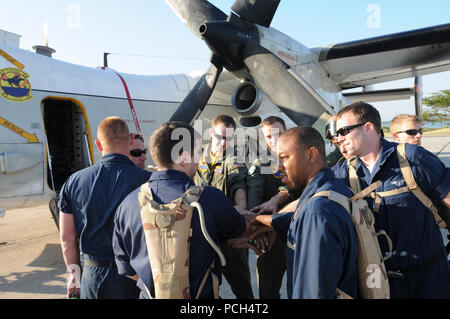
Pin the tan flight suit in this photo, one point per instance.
(228, 175)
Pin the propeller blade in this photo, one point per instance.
(194, 13)
(197, 98)
(241, 48)
(256, 11)
(291, 94)
(235, 44)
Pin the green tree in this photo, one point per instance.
(438, 107)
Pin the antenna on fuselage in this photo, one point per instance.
(44, 49)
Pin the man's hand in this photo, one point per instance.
(248, 215)
(240, 243)
(289, 207)
(271, 206)
(71, 253)
(260, 239)
(74, 282)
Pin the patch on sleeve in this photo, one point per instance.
(202, 166)
(236, 164)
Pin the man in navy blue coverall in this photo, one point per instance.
(88, 201)
(173, 178)
(321, 252)
(418, 267)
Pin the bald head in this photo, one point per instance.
(305, 137)
(113, 135)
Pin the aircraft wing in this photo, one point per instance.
(388, 58)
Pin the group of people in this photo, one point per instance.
(265, 206)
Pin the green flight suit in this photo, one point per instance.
(228, 175)
(262, 185)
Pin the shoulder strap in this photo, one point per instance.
(353, 177)
(336, 197)
(192, 194)
(145, 195)
(412, 185)
(344, 201)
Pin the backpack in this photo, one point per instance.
(411, 185)
(372, 275)
(167, 235)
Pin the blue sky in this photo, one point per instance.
(82, 30)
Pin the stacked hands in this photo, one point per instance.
(259, 235)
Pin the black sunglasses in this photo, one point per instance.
(221, 137)
(137, 152)
(412, 132)
(346, 129)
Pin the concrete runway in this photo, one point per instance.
(31, 263)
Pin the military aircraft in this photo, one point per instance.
(50, 109)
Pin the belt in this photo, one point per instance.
(419, 267)
(98, 263)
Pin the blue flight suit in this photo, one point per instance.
(322, 245)
(223, 222)
(418, 259)
(92, 195)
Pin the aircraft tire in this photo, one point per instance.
(53, 206)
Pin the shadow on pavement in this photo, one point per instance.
(45, 281)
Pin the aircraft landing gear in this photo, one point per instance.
(53, 205)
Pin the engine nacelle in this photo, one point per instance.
(246, 98)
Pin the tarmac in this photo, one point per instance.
(31, 262)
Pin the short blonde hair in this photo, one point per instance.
(112, 131)
(400, 119)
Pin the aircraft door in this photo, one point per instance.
(68, 139)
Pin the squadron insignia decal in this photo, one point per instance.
(202, 166)
(14, 85)
(277, 175)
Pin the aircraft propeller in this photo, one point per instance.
(234, 41)
(204, 20)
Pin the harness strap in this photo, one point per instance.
(353, 177)
(368, 191)
(215, 280)
(331, 195)
(335, 197)
(412, 185)
(340, 294)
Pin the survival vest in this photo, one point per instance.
(411, 185)
(167, 235)
(372, 275)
